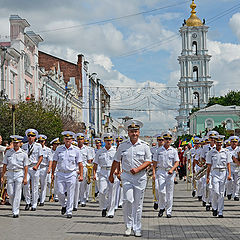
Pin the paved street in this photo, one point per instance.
(189, 221)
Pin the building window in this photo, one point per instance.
(209, 123)
(27, 63)
(229, 124)
(194, 47)
(195, 74)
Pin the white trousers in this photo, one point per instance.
(133, 194)
(34, 177)
(119, 194)
(218, 189)
(207, 197)
(233, 184)
(14, 190)
(66, 183)
(43, 183)
(156, 191)
(84, 188)
(165, 189)
(107, 192)
(200, 184)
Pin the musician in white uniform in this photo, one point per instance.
(135, 157)
(45, 167)
(54, 143)
(165, 162)
(107, 190)
(35, 155)
(81, 190)
(68, 160)
(207, 195)
(15, 162)
(218, 161)
(160, 142)
(233, 184)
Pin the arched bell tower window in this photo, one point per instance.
(194, 48)
(195, 74)
(196, 100)
(229, 124)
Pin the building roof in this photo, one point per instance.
(220, 108)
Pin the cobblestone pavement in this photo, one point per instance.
(189, 221)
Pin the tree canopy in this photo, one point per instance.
(231, 98)
(45, 119)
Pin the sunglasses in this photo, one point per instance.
(160, 139)
(167, 139)
(30, 135)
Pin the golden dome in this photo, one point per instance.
(193, 21)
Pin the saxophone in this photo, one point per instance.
(3, 189)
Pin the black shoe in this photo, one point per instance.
(27, 207)
(204, 204)
(110, 216)
(104, 212)
(120, 206)
(175, 182)
(69, 215)
(229, 196)
(15, 216)
(41, 204)
(193, 193)
(83, 204)
(96, 193)
(155, 206)
(199, 198)
(63, 211)
(33, 209)
(74, 209)
(236, 198)
(56, 200)
(208, 208)
(160, 213)
(214, 213)
(169, 215)
(220, 216)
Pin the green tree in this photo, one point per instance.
(45, 119)
(231, 98)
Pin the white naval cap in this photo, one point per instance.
(159, 136)
(133, 124)
(218, 138)
(212, 133)
(197, 140)
(16, 138)
(79, 136)
(97, 140)
(31, 132)
(227, 141)
(234, 139)
(55, 140)
(167, 134)
(42, 137)
(107, 136)
(74, 142)
(119, 138)
(68, 134)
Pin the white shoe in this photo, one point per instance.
(128, 232)
(138, 234)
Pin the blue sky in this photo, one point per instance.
(102, 44)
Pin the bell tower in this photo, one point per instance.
(194, 84)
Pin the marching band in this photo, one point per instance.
(117, 174)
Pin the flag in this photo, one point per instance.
(179, 143)
(184, 142)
